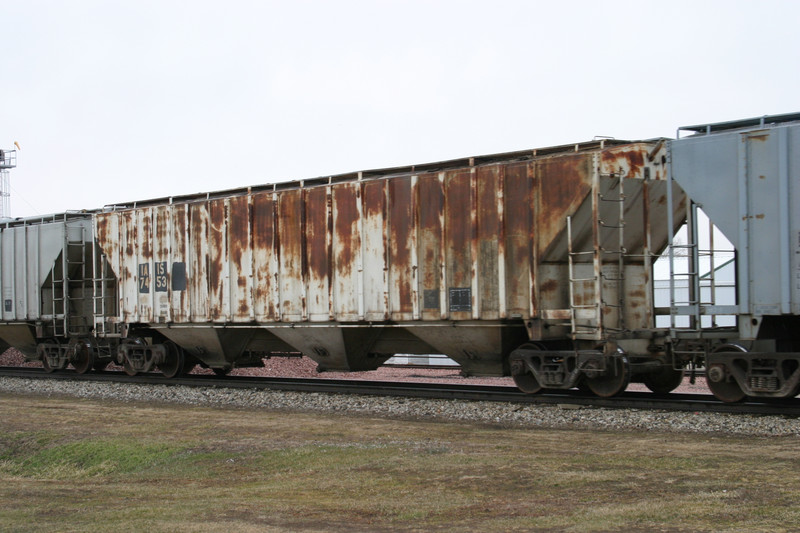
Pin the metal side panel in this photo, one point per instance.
(373, 250)
(317, 257)
(347, 292)
(179, 303)
(291, 267)
(707, 169)
(748, 183)
(197, 263)
(265, 258)
(22, 273)
(7, 272)
(27, 256)
(240, 259)
(33, 280)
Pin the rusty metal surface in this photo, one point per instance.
(459, 245)
(483, 241)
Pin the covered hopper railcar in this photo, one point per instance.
(470, 258)
(536, 264)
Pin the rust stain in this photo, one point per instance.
(549, 286)
(103, 231)
(629, 160)
(217, 237)
(374, 199)
(263, 242)
(198, 235)
(458, 228)
(637, 293)
(517, 219)
(430, 210)
(316, 231)
(400, 232)
(291, 247)
(238, 230)
(375, 215)
(179, 307)
(146, 235)
(290, 229)
(488, 237)
(130, 234)
(162, 237)
(345, 201)
(564, 182)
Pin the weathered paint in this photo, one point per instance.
(458, 244)
(518, 212)
(292, 261)
(264, 258)
(470, 242)
(489, 236)
(374, 251)
(430, 214)
(402, 271)
(564, 184)
(317, 254)
(346, 248)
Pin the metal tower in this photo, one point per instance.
(8, 159)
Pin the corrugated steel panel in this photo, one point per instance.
(347, 292)
(266, 296)
(402, 244)
(431, 246)
(471, 243)
(374, 250)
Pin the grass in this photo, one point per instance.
(78, 465)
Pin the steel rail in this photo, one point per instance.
(410, 389)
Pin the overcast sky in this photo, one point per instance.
(119, 101)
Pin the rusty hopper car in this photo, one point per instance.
(470, 258)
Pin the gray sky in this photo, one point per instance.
(120, 101)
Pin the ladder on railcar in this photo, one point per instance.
(594, 320)
(693, 281)
(68, 289)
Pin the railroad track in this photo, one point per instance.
(627, 400)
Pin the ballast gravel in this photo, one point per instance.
(504, 414)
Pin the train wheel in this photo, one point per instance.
(128, 368)
(722, 386)
(82, 356)
(666, 380)
(46, 366)
(126, 364)
(523, 378)
(41, 351)
(614, 381)
(173, 366)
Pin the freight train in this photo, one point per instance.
(538, 264)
